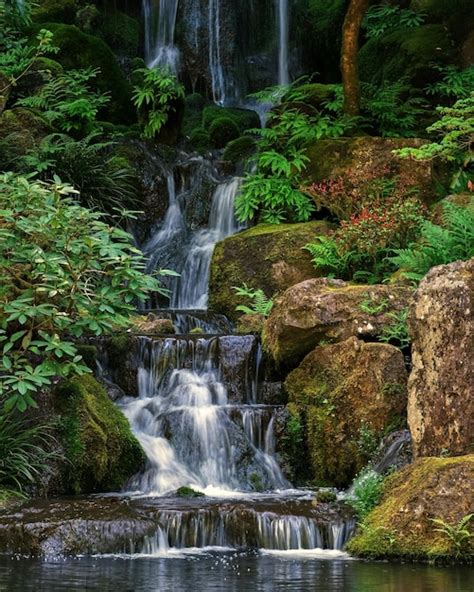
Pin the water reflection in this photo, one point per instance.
(233, 572)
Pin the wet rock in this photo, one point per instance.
(324, 310)
(402, 525)
(250, 324)
(347, 395)
(441, 384)
(359, 158)
(153, 324)
(237, 366)
(277, 262)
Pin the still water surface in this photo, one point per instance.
(228, 572)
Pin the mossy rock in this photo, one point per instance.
(200, 140)
(80, 50)
(277, 262)
(193, 108)
(188, 492)
(344, 393)
(222, 131)
(122, 33)
(406, 53)
(42, 70)
(457, 15)
(55, 11)
(243, 118)
(101, 451)
(21, 130)
(239, 149)
(402, 527)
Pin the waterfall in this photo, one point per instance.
(160, 24)
(283, 35)
(215, 64)
(191, 289)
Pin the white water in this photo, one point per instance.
(191, 290)
(216, 69)
(160, 25)
(283, 45)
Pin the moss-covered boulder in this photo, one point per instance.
(360, 159)
(277, 261)
(324, 310)
(402, 526)
(122, 33)
(441, 320)
(222, 131)
(21, 130)
(348, 396)
(239, 149)
(101, 453)
(55, 11)
(244, 119)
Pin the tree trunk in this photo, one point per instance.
(349, 57)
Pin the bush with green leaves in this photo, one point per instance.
(68, 102)
(65, 275)
(455, 130)
(104, 180)
(261, 304)
(454, 82)
(272, 192)
(439, 245)
(381, 18)
(366, 492)
(155, 98)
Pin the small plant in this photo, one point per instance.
(439, 245)
(458, 534)
(367, 440)
(374, 307)
(381, 18)
(155, 98)
(261, 304)
(68, 102)
(366, 493)
(397, 331)
(454, 83)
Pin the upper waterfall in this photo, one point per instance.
(283, 42)
(160, 23)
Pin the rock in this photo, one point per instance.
(402, 525)
(250, 324)
(153, 325)
(362, 157)
(348, 395)
(277, 262)
(22, 130)
(441, 385)
(100, 451)
(322, 309)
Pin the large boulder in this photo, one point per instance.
(328, 310)
(363, 158)
(402, 525)
(348, 395)
(269, 257)
(441, 385)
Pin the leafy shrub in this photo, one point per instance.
(65, 274)
(261, 304)
(381, 18)
(454, 83)
(459, 534)
(155, 98)
(455, 129)
(222, 131)
(104, 180)
(366, 492)
(439, 245)
(25, 449)
(68, 102)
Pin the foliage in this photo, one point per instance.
(261, 304)
(381, 18)
(396, 332)
(454, 83)
(439, 245)
(68, 102)
(272, 193)
(104, 180)
(459, 534)
(455, 129)
(366, 492)
(65, 274)
(155, 97)
(367, 440)
(24, 450)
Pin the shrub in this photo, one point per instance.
(366, 492)
(382, 18)
(65, 274)
(222, 131)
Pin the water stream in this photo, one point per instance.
(283, 36)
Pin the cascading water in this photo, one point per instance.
(160, 25)
(283, 45)
(215, 63)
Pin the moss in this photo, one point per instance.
(188, 492)
(243, 118)
(122, 33)
(80, 50)
(239, 149)
(89, 355)
(58, 11)
(457, 15)
(118, 348)
(200, 140)
(222, 131)
(401, 526)
(100, 449)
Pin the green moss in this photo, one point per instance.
(100, 449)
(80, 50)
(457, 15)
(222, 131)
(401, 526)
(240, 149)
(118, 348)
(89, 355)
(122, 33)
(188, 492)
(200, 140)
(57, 11)
(243, 118)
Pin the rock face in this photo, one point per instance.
(361, 157)
(270, 257)
(441, 385)
(322, 309)
(347, 395)
(402, 525)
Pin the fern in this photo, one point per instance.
(459, 534)
(439, 245)
(261, 304)
(396, 332)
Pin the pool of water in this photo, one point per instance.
(210, 571)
